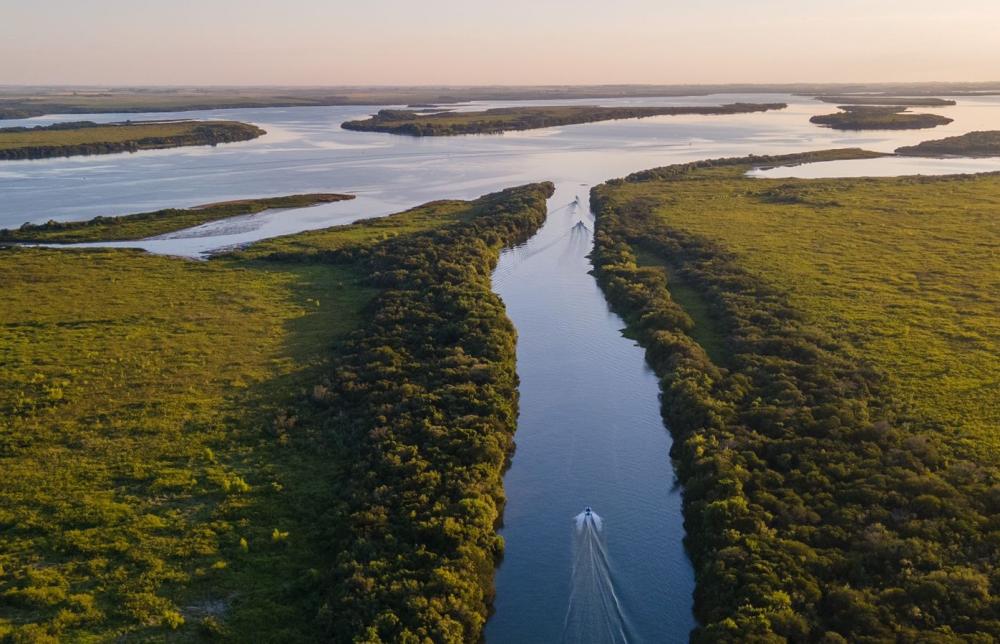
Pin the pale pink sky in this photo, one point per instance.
(327, 42)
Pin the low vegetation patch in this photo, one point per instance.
(85, 137)
(866, 117)
(504, 119)
(159, 222)
(973, 144)
(298, 442)
(839, 451)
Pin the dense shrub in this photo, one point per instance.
(424, 398)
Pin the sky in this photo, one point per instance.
(415, 42)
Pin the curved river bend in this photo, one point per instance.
(590, 432)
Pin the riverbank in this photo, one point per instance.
(499, 120)
(85, 137)
(809, 438)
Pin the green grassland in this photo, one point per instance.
(158, 222)
(495, 121)
(904, 269)
(85, 137)
(827, 350)
(144, 478)
(866, 117)
(971, 144)
(268, 446)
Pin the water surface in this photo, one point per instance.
(589, 434)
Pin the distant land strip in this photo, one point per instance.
(159, 222)
(879, 99)
(495, 121)
(26, 102)
(85, 137)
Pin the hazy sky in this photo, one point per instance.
(505, 41)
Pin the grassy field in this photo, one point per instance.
(85, 137)
(196, 450)
(495, 121)
(905, 270)
(147, 483)
(972, 144)
(866, 117)
(148, 224)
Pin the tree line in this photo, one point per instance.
(424, 401)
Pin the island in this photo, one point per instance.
(972, 144)
(868, 117)
(159, 222)
(881, 99)
(86, 137)
(827, 464)
(498, 120)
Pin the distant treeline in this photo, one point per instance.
(496, 121)
(118, 137)
(817, 508)
(148, 224)
(423, 402)
(972, 144)
(23, 102)
(866, 117)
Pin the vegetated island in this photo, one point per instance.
(827, 355)
(301, 441)
(498, 120)
(86, 137)
(869, 117)
(972, 144)
(158, 222)
(881, 99)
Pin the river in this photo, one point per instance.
(589, 432)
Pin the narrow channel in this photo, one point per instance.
(589, 434)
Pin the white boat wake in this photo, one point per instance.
(594, 613)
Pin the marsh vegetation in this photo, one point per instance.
(868, 117)
(831, 394)
(159, 222)
(85, 137)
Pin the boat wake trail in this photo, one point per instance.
(594, 613)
